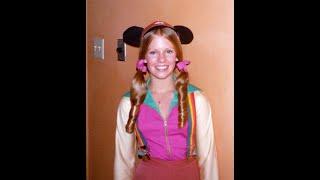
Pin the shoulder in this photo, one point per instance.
(198, 93)
(200, 98)
(126, 94)
(192, 88)
(125, 101)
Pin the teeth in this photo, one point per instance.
(162, 67)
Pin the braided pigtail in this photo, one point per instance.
(182, 88)
(137, 94)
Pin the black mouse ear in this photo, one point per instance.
(185, 34)
(132, 36)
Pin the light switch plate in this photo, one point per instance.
(121, 50)
(98, 48)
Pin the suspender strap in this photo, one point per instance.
(191, 138)
(142, 145)
(140, 139)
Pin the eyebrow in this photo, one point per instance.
(164, 49)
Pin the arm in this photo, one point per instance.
(206, 148)
(124, 144)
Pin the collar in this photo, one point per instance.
(149, 100)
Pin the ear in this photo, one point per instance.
(184, 33)
(132, 36)
(177, 59)
(145, 61)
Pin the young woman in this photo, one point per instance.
(164, 124)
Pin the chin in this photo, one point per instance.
(162, 75)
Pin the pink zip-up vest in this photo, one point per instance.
(163, 139)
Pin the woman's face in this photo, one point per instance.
(161, 58)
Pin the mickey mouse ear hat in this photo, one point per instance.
(133, 34)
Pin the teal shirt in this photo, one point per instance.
(151, 102)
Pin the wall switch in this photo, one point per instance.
(121, 50)
(98, 48)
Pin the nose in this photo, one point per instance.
(161, 57)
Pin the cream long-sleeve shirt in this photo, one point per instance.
(125, 144)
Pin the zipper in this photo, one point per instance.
(165, 124)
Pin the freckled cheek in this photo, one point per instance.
(151, 63)
(172, 62)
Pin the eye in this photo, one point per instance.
(152, 52)
(170, 51)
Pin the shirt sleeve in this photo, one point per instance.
(124, 144)
(206, 148)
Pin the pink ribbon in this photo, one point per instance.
(141, 65)
(182, 65)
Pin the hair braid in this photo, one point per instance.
(182, 88)
(137, 94)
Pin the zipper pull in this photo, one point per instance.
(165, 123)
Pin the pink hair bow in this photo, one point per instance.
(141, 65)
(182, 65)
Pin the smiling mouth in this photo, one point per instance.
(162, 67)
